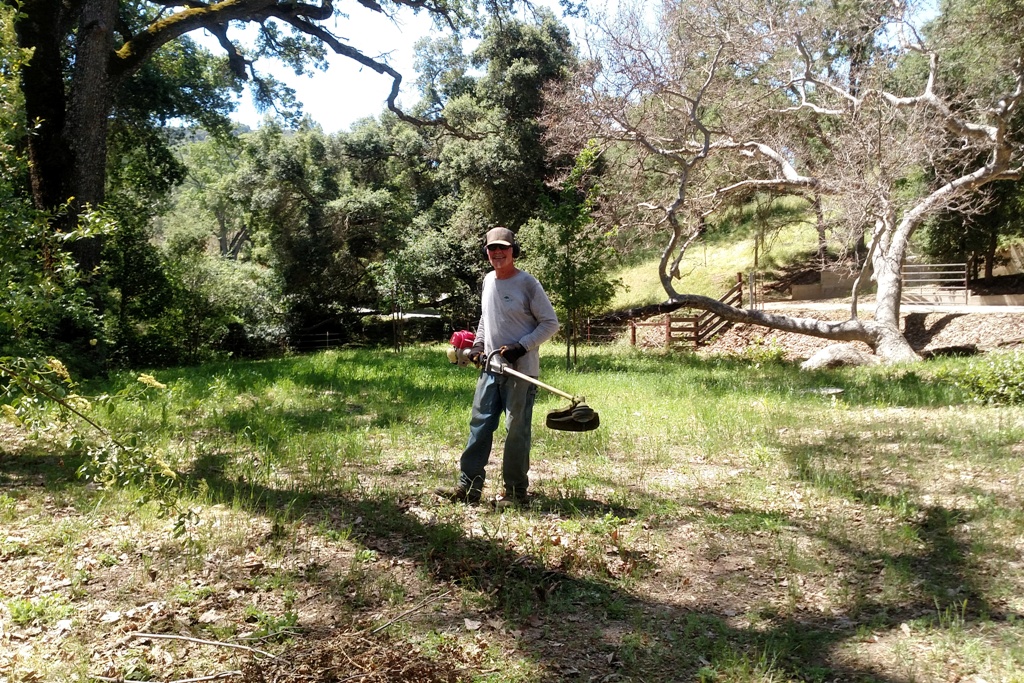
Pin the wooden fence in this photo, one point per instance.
(935, 283)
(697, 329)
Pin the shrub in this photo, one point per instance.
(995, 379)
(759, 352)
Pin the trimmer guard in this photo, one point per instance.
(563, 421)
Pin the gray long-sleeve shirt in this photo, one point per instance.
(516, 310)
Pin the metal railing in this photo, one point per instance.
(315, 341)
(935, 283)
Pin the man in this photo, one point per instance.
(516, 318)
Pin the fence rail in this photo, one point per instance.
(935, 283)
(695, 329)
(315, 341)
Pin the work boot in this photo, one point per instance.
(511, 500)
(459, 494)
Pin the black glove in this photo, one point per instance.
(476, 354)
(513, 352)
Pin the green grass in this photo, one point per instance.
(725, 523)
(44, 610)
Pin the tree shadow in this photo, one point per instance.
(590, 628)
(37, 465)
(940, 570)
(918, 335)
(597, 628)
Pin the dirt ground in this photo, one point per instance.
(108, 563)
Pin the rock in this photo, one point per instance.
(838, 355)
(825, 391)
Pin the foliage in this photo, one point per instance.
(42, 301)
(40, 397)
(44, 307)
(45, 610)
(498, 163)
(316, 235)
(568, 252)
(975, 238)
(100, 98)
(13, 125)
(997, 378)
(759, 353)
(454, 187)
(977, 41)
(716, 107)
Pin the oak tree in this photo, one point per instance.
(719, 100)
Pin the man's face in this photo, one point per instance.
(500, 256)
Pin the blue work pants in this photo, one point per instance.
(497, 394)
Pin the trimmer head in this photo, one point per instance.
(578, 417)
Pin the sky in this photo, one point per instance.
(348, 91)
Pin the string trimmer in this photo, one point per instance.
(578, 417)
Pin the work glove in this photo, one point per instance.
(476, 354)
(513, 352)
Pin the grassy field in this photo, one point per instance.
(733, 519)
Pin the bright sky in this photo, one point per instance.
(348, 91)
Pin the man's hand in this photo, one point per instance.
(476, 354)
(513, 352)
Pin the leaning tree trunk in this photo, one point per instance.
(887, 261)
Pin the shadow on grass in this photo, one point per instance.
(38, 466)
(938, 571)
(591, 629)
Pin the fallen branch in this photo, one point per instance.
(168, 636)
(408, 612)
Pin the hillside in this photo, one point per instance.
(712, 268)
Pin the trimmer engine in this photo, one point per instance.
(461, 345)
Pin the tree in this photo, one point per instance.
(93, 58)
(487, 166)
(730, 98)
(569, 252)
(208, 195)
(975, 238)
(42, 297)
(317, 232)
(497, 159)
